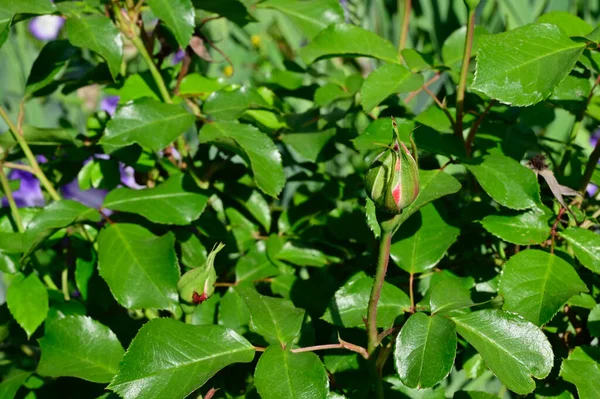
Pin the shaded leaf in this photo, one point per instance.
(12, 381)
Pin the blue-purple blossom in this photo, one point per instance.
(29, 193)
(93, 197)
(109, 104)
(178, 56)
(128, 177)
(46, 27)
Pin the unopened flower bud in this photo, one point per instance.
(392, 181)
(197, 285)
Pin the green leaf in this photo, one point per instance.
(309, 145)
(147, 122)
(527, 228)
(434, 184)
(348, 307)
(522, 66)
(454, 46)
(537, 284)
(593, 323)
(178, 15)
(28, 6)
(255, 265)
(350, 41)
(385, 81)
(301, 255)
(283, 374)
(182, 359)
(254, 146)
(37, 136)
(99, 173)
(178, 200)
(449, 295)
(12, 381)
(514, 349)
(571, 24)
(276, 319)
(416, 61)
(140, 268)
(198, 85)
(233, 312)
(233, 10)
(505, 180)
(582, 368)
(311, 16)
(80, 347)
(425, 350)
(99, 34)
(27, 300)
(49, 65)
(422, 241)
(5, 22)
(330, 93)
(231, 104)
(586, 245)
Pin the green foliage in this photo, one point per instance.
(194, 203)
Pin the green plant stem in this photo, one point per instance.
(158, 79)
(382, 264)
(37, 171)
(64, 284)
(462, 83)
(14, 210)
(49, 283)
(405, 21)
(590, 167)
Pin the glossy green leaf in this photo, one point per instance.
(178, 15)
(350, 41)
(231, 104)
(283, 374)
(310, 17)
(422, 241)
(586, 245)
(506, 181)
(28, 6)
(309, 145)
(99, 34)
(448, 295)
(301, 255)
(523, 66)
(434, 184)
(182, 359)
(348, 307)
(276, 319)
(255, 265)
(526, 228)
(27, 300)
(537, 284)
(514, 349)
(147, 122)
(416, 61)
(233, 312)
(571, 24)
(425, 350)
(12, 381)
(78, 346)
(330, 93)
(62, 214)
(198, 85)
(175, 201)
(385, 81)
(257, 149)
(140, 268)
(582, 368)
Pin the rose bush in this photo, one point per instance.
(299, 199)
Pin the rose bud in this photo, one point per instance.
(392, 181)
(197, 285)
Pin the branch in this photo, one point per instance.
(471, 136)
(462, 83)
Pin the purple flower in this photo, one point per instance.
(178, 56)
(29, 192)
(46, 27)
(92, 197)
(109, 104)
(128, 177)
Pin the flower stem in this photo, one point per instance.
(37, 171)
(382, 264)
(462, 83)
(405, 21)
(14, 210)
(160, 82)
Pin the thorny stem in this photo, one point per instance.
(382, 264)
(462, 83)
(413, 94)
(37, 171)
(554, 226)
(412, 295)
(405, 21)
(441, 105)
(471, 136)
